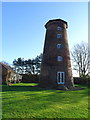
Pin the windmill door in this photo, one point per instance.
(60, 77)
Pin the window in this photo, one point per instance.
(59, 35)
(59, 58)
(59, 28)
(59, 45)
(60, 77)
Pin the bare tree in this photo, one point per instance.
(81, 59)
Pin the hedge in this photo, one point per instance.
(30, 78)
(35, 79)
(82, 80)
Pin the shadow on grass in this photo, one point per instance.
(21, 88)
(42, 100)
(45, 119)
(54, 96)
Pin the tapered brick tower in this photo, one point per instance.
(56, 67)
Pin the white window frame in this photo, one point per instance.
(60, 58)
(59, 35)
(59, 46)
(60, 80)
(59, 28)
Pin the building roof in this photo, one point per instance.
(6, 67)
(56, 20)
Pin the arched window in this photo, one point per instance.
(59, 28)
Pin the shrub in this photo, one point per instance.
(82, 80)
(30, 78)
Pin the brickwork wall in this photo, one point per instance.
(50, 65)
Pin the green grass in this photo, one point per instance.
(29, 101)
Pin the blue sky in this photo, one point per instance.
(24, 31)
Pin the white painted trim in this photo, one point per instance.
(59, 35)
(59, 46)
(60, 58)
(59, 28)
(60, 81)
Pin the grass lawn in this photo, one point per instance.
(28, 101)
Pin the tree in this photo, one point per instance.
(19, 65)
(30, 66)
(15, 65)
(27, 65)
(38, 61)
(81, 59)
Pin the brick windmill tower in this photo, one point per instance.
(56, 66)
